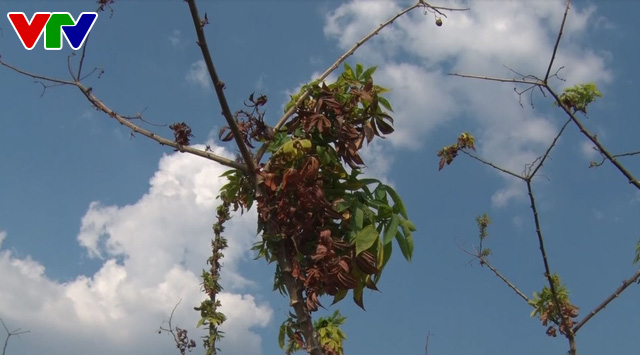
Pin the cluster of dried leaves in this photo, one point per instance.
(304, 183)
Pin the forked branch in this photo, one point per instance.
(11, 333)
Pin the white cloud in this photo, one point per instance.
(420, 101)
(588, 150)
(413, 55)
(261, 86)
(198, 74)
(175, 38)
(153, 252)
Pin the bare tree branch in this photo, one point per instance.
(493, 165)
(608, 300)
(483, 261)
(502, 80)
(546, 154)
(16, 332)
(36, 76)
(88, 93)
(219, 85)
(555, 47)
(503, 278)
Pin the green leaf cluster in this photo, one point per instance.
(542, 300)
(578, 97)
(374, 218)
(328, 328)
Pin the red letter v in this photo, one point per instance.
(29, 32)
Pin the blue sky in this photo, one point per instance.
(102, 233)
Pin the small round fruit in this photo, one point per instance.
(438, 22)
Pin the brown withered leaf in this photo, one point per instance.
(346, 281)
(310, 169)
(366, 262)
(369, 131)
(298, 338)
(228, 136)
(181, 133)
(291, 175)
(383, 126)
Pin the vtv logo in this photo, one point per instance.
(54, 25)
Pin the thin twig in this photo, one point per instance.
(546, 154)
(36, 76)
(82, 56)
(503, 278)
(69, 66)
(502, 80)
(608, 300)
(170, 329)
(484, 261)
(492, 165)
(555, 47)
(594, 164)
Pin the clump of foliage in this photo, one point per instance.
(483, 223)
(448, 153)
(578, 97)
(337, 228)
(329, 334)
(561, 314)
(209, 314)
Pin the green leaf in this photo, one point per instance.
(200, 323)
(281, 335)
(368, 73)
(357, 296)
(397, 201)
(384, 254)
(359, 70)
(348, 72)
(380, 192)
(404, 246)
(358, 217)
(392, 229)
(385, 103)
(384, 210)
(229, 172)
(343, 205)
(637, 258)
(365, 238)
(339, 296)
